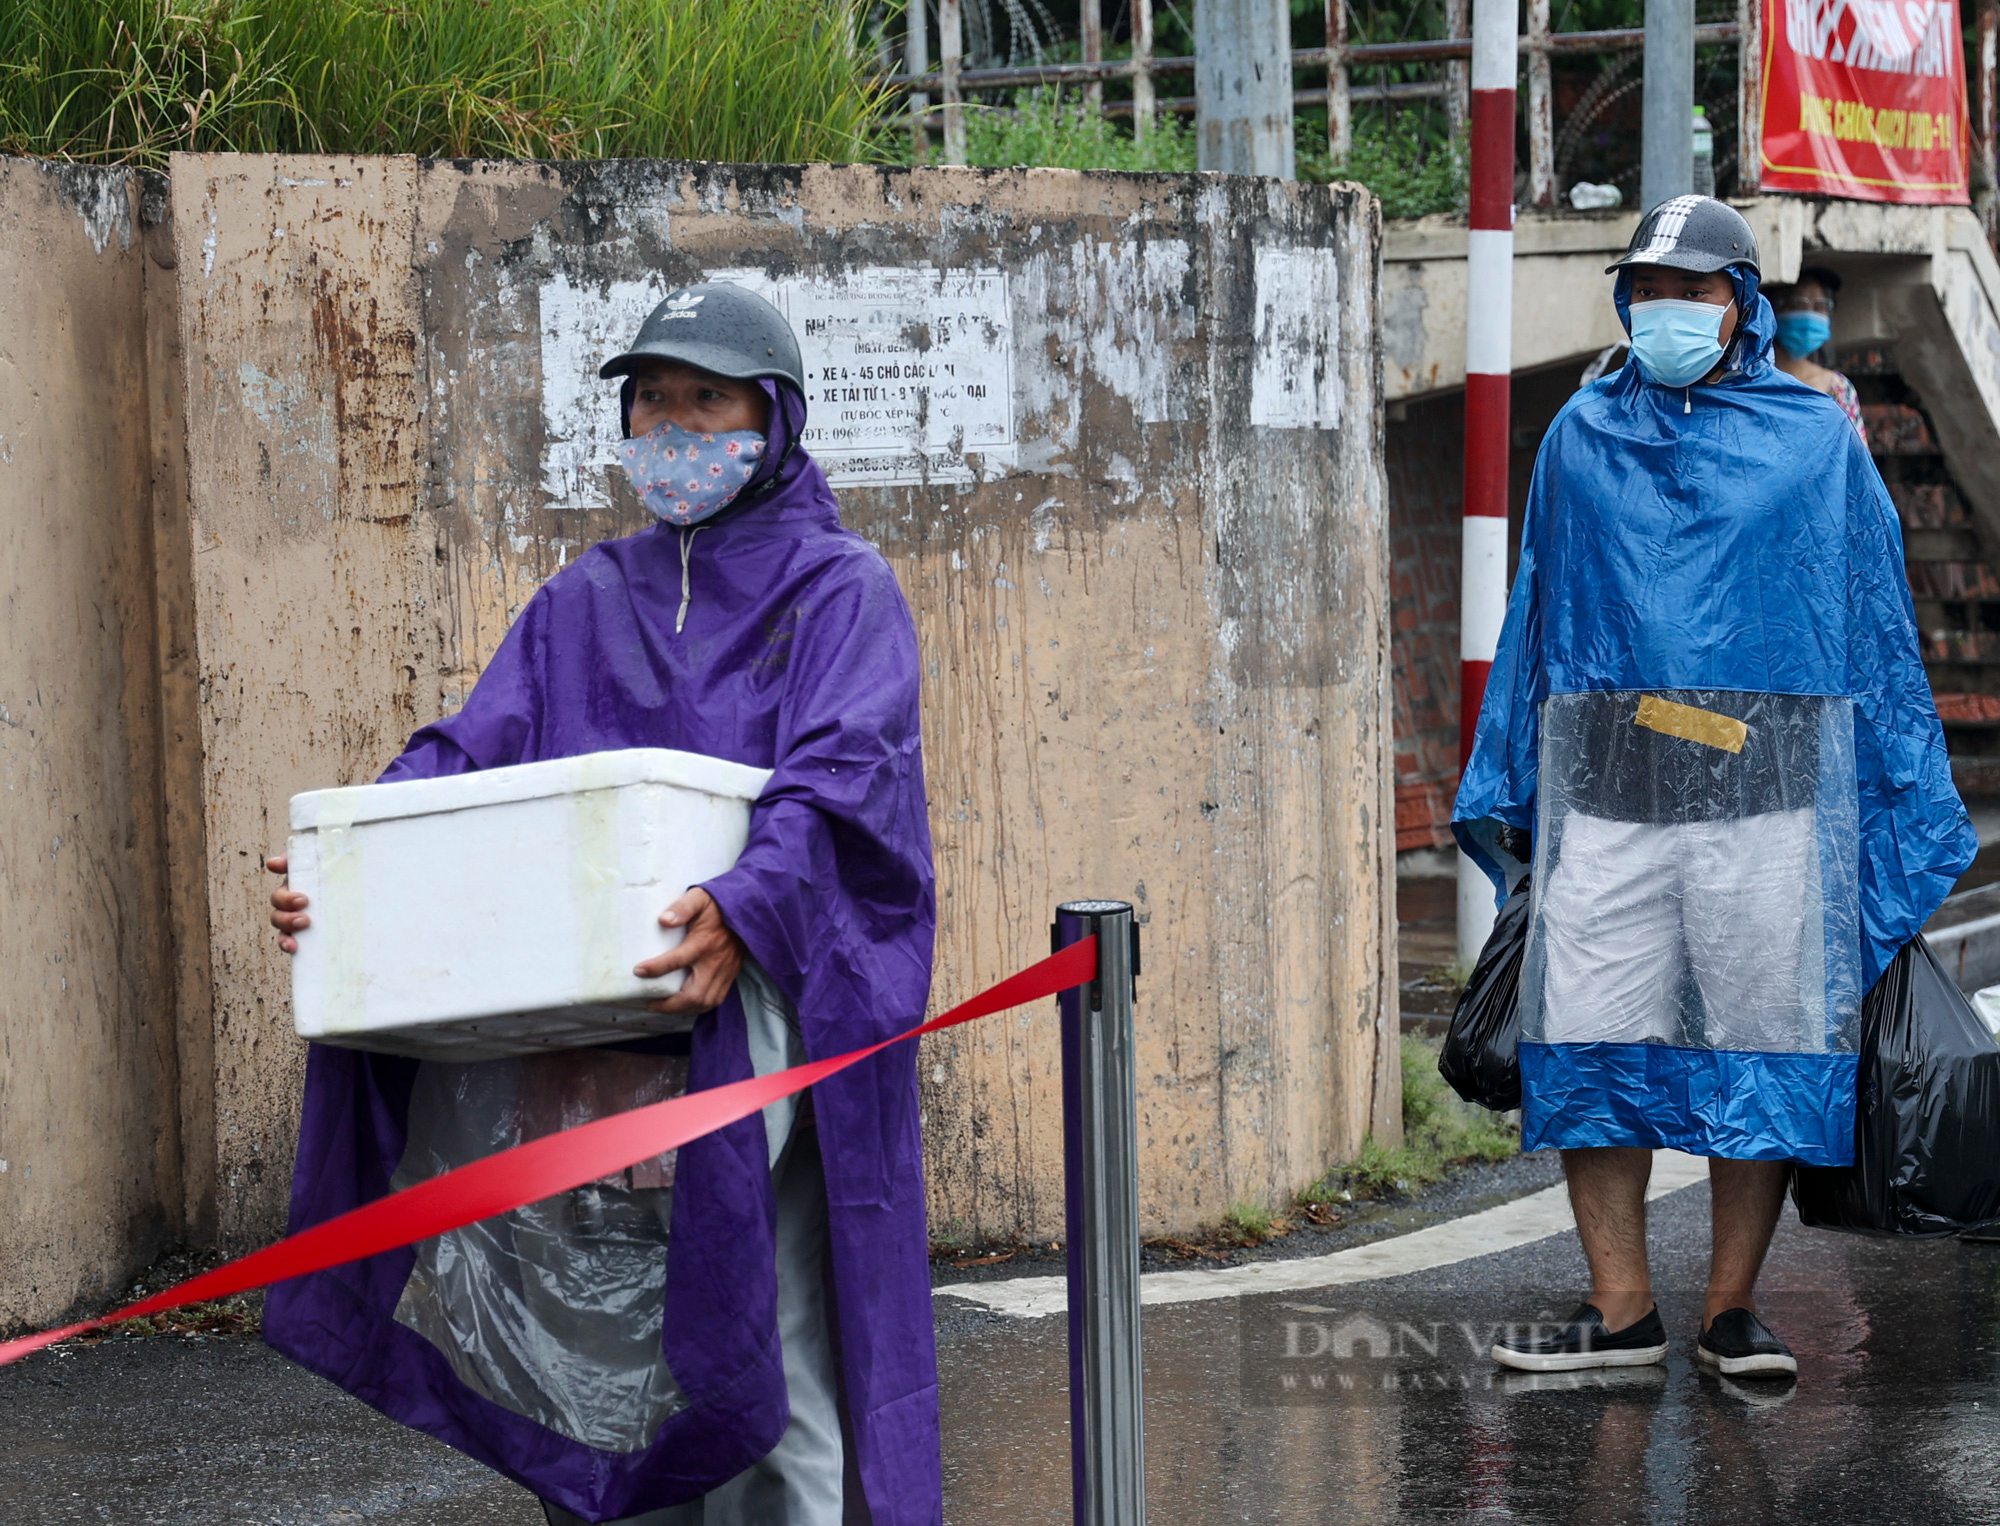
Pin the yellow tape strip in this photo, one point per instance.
(1692, 725)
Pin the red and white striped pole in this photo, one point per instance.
(1489, 365)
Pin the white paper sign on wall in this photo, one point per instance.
(1295, 372)
(909, 373)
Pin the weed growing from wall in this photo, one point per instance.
(1439, 1131)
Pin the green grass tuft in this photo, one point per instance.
(1249, 1223)
(131, 81)
(1439, 1132)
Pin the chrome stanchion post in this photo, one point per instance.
(1101, 1160)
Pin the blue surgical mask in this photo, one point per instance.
(684, 477)
(1802, 333)
(1677, 342)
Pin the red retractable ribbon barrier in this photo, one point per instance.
(556, 1163)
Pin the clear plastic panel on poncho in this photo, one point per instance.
(553, 1311)
(1695, 877)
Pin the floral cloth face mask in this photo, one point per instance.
(684, 477)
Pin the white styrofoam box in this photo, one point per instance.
(502, 912)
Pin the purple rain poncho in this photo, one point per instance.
(798, 654)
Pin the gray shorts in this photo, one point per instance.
(1704, 933)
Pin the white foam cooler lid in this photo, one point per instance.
(526, 781)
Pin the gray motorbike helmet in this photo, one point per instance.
(732, 332)
(719, 328)
(1691, 233)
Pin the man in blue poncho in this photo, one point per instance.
(1708, 733)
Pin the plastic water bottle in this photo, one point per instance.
(1704, 154)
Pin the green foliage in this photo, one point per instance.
(130, 81)
(1413, 172)
(1047, 128)
(1173, 28)
(1248, 1223)
(1439, 1131)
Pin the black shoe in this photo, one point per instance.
(1738, 1344)
(1584, 1342)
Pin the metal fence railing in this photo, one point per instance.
(937, 92)
(950, 81)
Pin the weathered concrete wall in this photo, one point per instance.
(90, 1138)
(1148, 565)
(316, 578)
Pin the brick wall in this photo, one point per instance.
(1425, 462)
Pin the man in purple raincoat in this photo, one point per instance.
(751, 1342)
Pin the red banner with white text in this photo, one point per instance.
(1865, 99)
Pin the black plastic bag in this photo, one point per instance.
(1481, 1058)
(1927, 1124)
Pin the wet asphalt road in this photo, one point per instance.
(1373, 1405)
(1895, 1418)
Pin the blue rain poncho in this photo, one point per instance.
(1709, 717)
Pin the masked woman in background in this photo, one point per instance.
(1804, 311)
